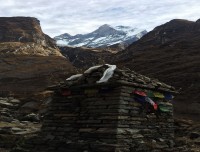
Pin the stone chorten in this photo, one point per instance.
(108, 110)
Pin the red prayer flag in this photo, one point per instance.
(66, 92)
(155, 106)
(141, 93)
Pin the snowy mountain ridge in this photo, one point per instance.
(104, 36)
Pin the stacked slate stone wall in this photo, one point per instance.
(103, 119)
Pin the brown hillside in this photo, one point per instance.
(171, 53)
(29, 59)
(27, 74)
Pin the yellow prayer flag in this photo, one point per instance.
(158, 95)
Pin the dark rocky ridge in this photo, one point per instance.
(171, 52)
(29, 59)
(23, 29)
(82, 57)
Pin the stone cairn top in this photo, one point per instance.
(118, 77)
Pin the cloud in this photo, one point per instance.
(82, 16)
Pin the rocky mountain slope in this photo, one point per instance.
(23, 35)
(171, 52)
(83, 58)
(105, 35)
(29, 59)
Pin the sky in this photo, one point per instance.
(84, 16)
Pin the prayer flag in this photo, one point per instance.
(158, 95)
(141, 93)
(150, 94)
(163, 108)
(168, 96)
(155, 106)
(140, 99)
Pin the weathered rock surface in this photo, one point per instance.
(13, 129)
(187, 137)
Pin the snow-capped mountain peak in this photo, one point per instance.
(105, 35)
(104, 27)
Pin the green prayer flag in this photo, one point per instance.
(150, 94)
(163, 108)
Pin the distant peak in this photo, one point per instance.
(123, 27)
(105, 25)
(104, 28)
(66, 34)
(198, 21)
(180, 21)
